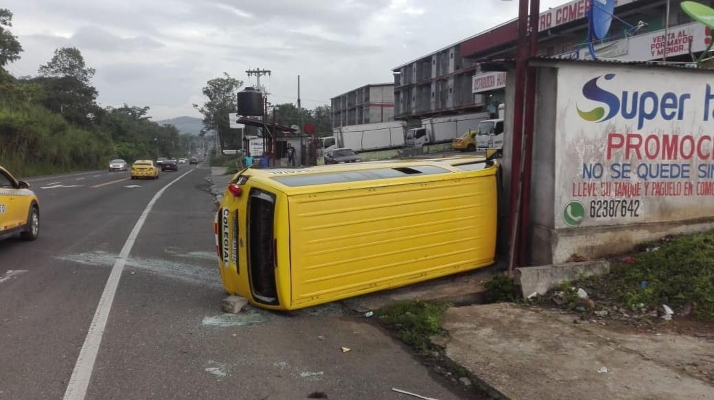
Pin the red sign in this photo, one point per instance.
(569, 12)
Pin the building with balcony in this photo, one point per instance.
(450, 80)
(364, 105)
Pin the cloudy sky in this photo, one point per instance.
(160, 53)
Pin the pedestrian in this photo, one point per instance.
(290, 151)
(248, 160)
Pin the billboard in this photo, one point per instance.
(488, 81)
(649, 46)
(570, 12)
(633, 146)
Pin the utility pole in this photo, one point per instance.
(666, 33)
(258, 73)
(299, 107)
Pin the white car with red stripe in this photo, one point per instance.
(19, 208)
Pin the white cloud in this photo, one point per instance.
(160, 53)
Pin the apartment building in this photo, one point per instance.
(450, 81)
(364, 105)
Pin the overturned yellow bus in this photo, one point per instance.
(297, 237)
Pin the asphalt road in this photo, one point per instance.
(165, 335)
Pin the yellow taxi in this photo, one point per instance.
(465, 142)
(144, 169)
(19, 208)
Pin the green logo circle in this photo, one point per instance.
(574, 213)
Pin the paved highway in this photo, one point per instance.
(70, 329)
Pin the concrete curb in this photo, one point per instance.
(541, 279)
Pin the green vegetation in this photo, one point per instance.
(415, 322)
(51, 123)
(231, 162)
(221, 94)
(677, 272)
(501, 288)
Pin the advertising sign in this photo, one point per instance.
(488, 81)
(649, 46)
(633, 146)
(570, 12)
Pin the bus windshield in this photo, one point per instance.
(261, 256)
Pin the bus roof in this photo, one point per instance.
(363, 174)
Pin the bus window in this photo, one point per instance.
(261, 251)
(355, 176)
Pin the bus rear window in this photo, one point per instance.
(261, 249)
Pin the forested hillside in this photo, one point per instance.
(51, 123)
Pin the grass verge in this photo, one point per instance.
(230, 162)
(674, 271)
(678, 272)
(415, 322)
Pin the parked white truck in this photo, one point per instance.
(442, 129)
(368, 137)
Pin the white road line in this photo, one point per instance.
(79, 179)
(95, 176)
(53, 183)
(60, 186)
(82, 373)
(11, 273)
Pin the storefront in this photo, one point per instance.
(489, 90)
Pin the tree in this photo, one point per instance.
(68, 62)
(221, 94)
(322, 119)
(67, 89)
(135, 112)
(287, 114)
(67, 96)
(10, 47)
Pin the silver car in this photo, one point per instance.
(117, 165)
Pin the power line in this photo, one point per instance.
(258, 73)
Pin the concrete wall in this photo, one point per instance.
(382, 100)
(543, 169)
(568, 142)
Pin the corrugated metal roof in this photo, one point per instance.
(503, 64)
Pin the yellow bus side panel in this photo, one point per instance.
(350, 242)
